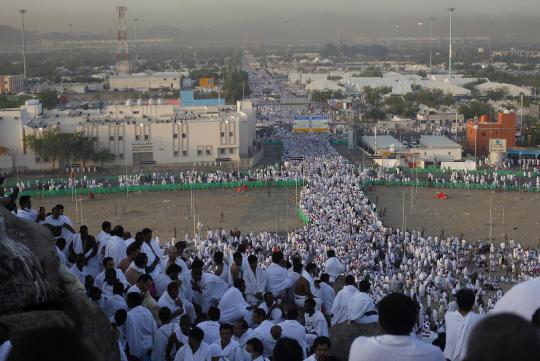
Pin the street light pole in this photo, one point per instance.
(430, 41)
(475, 140)
(23, 11)
(450, 11)
(71, 42)
(135, 20)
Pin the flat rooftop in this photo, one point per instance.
(437, 141)
(382, 141)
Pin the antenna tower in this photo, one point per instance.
(122, 49)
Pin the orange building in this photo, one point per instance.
(207, 83)
(480, 131)
(11, 84)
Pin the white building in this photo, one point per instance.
(382, 145)
(146, 81)
(188, 136)
(436, 149)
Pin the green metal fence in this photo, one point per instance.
(434, 170)
(463, 186)
(303, 217)
(160, 188)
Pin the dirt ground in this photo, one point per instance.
(256, 210)
(514, 215)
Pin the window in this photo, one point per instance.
(135, 112)
(184, 153)
(146, 137)
(184, 135)
(38, 159)
(222, 151)
(209, 152)
(230, 134)
(175, 153)
(199, 151)
(111, 138)
(121, 155)
(222, 134)
(175, 136)
(137, 137)
(231, 151)
(121, 112)
(120, 137)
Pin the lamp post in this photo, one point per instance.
(71, 42)
(23, 11)
(430, 42)
(135, 20)
(475, 140)
(450, 11)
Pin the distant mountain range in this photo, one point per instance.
(315, 28)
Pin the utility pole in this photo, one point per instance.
(135, 38)
(23, 11)
(450, 11)
(71, 43)
(490, 44)
(430, 42)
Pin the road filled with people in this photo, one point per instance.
(236, 295)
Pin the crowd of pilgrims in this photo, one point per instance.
(222, 295)
(219, 295)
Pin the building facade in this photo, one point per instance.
(189, 136)
(146, 81)
(480, 131)
(11, 84)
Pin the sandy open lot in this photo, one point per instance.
(515, 215)
(255, 210)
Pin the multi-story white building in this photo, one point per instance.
(146, 81)
(187, 136)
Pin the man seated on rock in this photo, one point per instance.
(140, 327)
(230, 349)
(321, 349)
(79, 269)
(363, 310)
(26, 212)
(137, 268)
(397, 317)
(232, 305)
(142, 286)
(108, 263)
(196, 349)
(171, 299)
(115, 301)
(272, 308)
(255, 349)
(211, 327)
(314, 322)
(9, 201)
(131, 253)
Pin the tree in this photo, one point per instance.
(375, 114)
(235, 86)
(373, 95)
(497, 94)
(103, 156)
(371, 72)
(48, 98)
(48, 146)
(473, 109)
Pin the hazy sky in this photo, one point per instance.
(99, 15)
